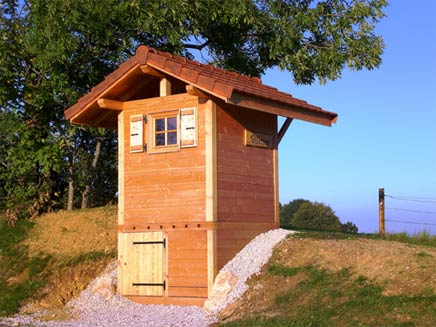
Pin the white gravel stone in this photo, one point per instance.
(249, 261)
(93, 310)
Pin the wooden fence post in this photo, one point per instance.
(381, 211)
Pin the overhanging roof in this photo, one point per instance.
(137, 76)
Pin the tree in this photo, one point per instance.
(316, 216)
(53, 52)
(302, 213)
(288, 211)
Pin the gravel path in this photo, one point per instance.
(93, 310)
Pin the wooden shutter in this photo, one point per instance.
(142, 257)
(136, 133)
(188, 127)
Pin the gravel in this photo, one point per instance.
(93, 310)
(250, 260)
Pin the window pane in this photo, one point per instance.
(172, 123)
(160, 139)
(160, 124)
(172, 138)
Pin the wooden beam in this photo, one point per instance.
(110, 104)
(146, 69)
(283, 129)
(192, 90)
(212, 262)
(281, 109)
(164, 87)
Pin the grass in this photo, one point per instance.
(326, 298)
(422, 238)
(20, 275)
(26, 273)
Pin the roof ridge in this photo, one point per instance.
(210, 67)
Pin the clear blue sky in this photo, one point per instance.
(385, 135)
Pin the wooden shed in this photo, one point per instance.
(198, 173)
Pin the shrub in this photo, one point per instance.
(316, 216)
(288, 210)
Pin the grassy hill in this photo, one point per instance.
(46, 262)
(312, 279)
(323, 279)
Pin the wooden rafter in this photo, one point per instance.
(283, 129)
(110, 104)
(146, 69)
(192, 90)
(285, 110)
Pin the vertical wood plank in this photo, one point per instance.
(121, 171)
(211, 161)
(141, 263)
(164, 87)
(120, 271)
(276, 186)
(212, 269)
(211, 190)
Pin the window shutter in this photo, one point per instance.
(188, 126)
(136, 133)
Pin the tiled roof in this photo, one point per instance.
(218, 81)
(215, 81)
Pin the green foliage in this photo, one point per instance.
(324, 298)
(14, 260)
(349, 227)
(316, 216)
(53, 52)
(422, 238)
(288, 211)
(303, 214)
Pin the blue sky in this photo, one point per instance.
(385, 135)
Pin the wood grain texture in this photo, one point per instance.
(188, 292)
(141, 263)
(211, 161)
(121, 171)
(245, 174)
(187, 259)
(212, 263)
(199, 301)
(165, 187)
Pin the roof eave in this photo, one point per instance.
(305, 112)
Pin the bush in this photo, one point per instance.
(304, 214)
(316, 216)
(288, 210)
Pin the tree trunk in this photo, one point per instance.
(87, 191)
(70, 193)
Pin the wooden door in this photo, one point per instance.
(142, 262)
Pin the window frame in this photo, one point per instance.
(151, 128)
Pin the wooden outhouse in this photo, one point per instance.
(198, 173)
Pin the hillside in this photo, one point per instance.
(47, 262)
(309, 281)
(340, 282)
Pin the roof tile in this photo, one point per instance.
(217, 81)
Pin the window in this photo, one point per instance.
(164, 132)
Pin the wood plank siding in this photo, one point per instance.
(245, 180)
(165, 193)
(164, 187)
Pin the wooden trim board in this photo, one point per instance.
(121, 170)
(199, 301)
(211, 161)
